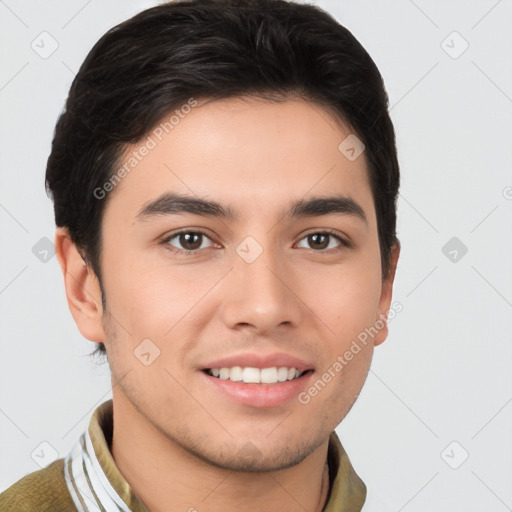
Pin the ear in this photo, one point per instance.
(82, 288)
(386, 295)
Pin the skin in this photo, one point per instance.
(176, 439)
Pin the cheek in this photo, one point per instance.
(161, 303)
(145, 294)
(347, 298)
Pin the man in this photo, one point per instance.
(224, 178)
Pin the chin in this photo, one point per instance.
(250, 459)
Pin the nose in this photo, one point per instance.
(261, 295)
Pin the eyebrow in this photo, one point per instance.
(171, 203)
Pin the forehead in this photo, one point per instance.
(250, 152)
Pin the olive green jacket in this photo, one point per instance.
(50, 489)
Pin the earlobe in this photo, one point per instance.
(386, 295)
(82, 288)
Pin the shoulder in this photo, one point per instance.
(41, 491)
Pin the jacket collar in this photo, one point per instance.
(95, 482)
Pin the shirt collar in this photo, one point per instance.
(96, 484)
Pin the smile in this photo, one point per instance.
(250, 375)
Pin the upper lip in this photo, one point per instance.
(260, 361)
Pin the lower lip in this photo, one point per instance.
(260, 395)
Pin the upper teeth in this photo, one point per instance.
(256, 375)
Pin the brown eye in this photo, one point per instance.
(187, 241)
(323, 240)
(318, 240)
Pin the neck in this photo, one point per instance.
(160, 473)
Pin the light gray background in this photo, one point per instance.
(443, 375)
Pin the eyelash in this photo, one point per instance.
(174, 250)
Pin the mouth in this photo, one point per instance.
(258, 380)
(249, 375)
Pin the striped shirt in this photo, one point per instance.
(88, 478)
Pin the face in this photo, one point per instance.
(224, 317)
